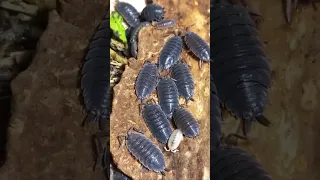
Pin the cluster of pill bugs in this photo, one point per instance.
(240, 73)
(178, 82)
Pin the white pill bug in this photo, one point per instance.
(174, 141)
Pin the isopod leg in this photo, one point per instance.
(295, 4)
(288, 10)
(200, 64)
(140, 109)
(189, 27)
(263, 120)
(119, 138)
(100, 150)
(314, 5)
(135, 129)
(165, 169)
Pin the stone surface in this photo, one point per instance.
(192, 161)
(46, 140)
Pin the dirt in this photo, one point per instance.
(289, 149)
(46, 140)
(192, 160)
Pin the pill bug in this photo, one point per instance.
(198, 46)
(166, 23)
(145, 151)
(157, 122)
(170, 53)
(229, 162)
(153, 12)
(174, 141)
(147, 80)
(129, 13)
(180, 72)
(134, 38)
(185, 121)
(215, 117)
(168, 96)
(95, 79)
(240, 69)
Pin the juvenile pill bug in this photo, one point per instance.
(157, 121)
(174, 141)
(180, 72)
(164, 24)
(134, 38)
(185, 121)
(129, 13)
(170, 53)
(144, 150)
(229, 162)
(198, 46)
(95, 76)
(147, 80)
(168, 96)
(153, 12)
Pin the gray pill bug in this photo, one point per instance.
(164, 24)
(129, 13)
(153, 12)
(157, 121)
(198, 46)
(180, 72)
(174, 141)
(168, 96)
(170, 53)
(231, 162)
(185, 121)
(144, 150)
(147, 80)
(134, 38)
(241, 61)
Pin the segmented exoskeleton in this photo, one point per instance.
(240, 68)
(95, 80)
(145, 151)
(229, 163)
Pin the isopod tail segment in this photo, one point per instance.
(102, 153)
(246, 128)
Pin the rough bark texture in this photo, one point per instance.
(192, 161)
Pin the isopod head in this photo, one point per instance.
(153, 12)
